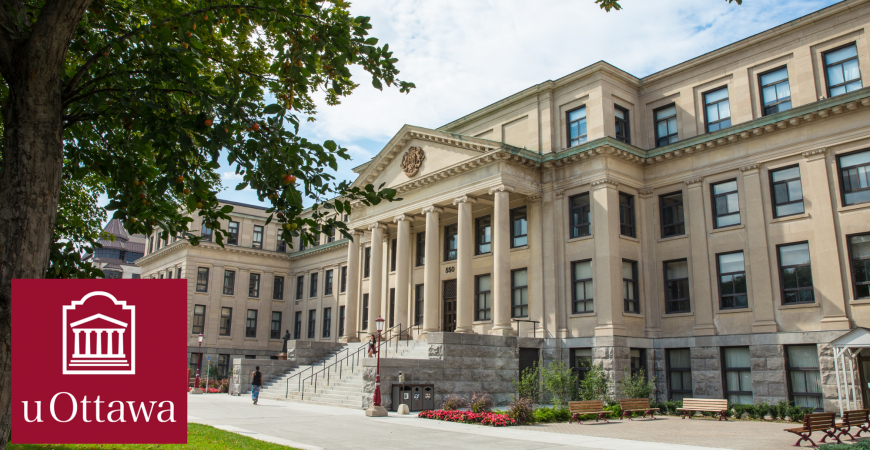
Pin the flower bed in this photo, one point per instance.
(482, 418)
(208, 391)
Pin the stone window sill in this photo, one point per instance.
(225, 338)
(228, 296)
(581, 238)
(277, 299)
(790, 218)
(201, 293)
(629, 238)
(863, 301)
(685, 314)
(801, 305)
(254, 298)
(628, 314)
(249, 339)
(520, 248)
(673, 238)
(579, 315)
(481, 322)
(853, 207)
(728, 228)
(733, 310)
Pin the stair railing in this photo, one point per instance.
(352, 356)
(299, 375)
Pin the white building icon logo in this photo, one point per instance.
(99, 340)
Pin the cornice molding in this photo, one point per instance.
(815, 154)
(750, 167)
(337, 245)
(645, 192)
(695, 181)
(605, 182)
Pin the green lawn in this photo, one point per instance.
(199, 437)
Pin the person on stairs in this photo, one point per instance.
(372, 344)
(256, 384)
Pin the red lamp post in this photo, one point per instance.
(198, 362)
(379, 322)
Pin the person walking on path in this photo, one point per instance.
(256, 384)
(372, 344)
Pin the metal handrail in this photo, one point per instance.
(287, 391)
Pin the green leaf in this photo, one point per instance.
(241, 185)
(274, 108)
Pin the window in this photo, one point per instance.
(169, 274)
(177, 274)
(136, 276)
(367, 262)
(226, 321)
(327, 322)
(312, 285)
(316, 237)
(622, 128)
(312, 323)
(581, 361)
(302, 239)
(116, 274)
(343, 283)
(638, 362)
(365, 312)
(732, 280)
(581, 215)
(278, 288)
(859, 254)
(737, 374)
(300, 282)
(229, 282)
(785, 185)
(795, 273)
(520, 293)
(775, 92)
(275, 331)
(418, 304)
(233, 231)
(482, 235)
(258, 237)
(855, 177)
(581, 279)
(677, 286)
(673, 223)
(195, 359)
(804, 376)
(726, 207)
(224, 365)
(519, 227)
(341, 320)
(483, 297)
(297, 325)
(421, 249)
(666, 125)
(150, 245)
(158, 242)
(392, 315)
(450, 242)
(393, 255)
(626, 214)
(251, 324)
(205, 234)
(717, 110)
(254, 285)
(841, 70)
(576, 126)
(330, 236)
(282, 246)
(629, 286)
(679, 365)
(198, 319)
(327, 283)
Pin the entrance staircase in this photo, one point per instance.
(337, 380)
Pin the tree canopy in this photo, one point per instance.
(607, 5)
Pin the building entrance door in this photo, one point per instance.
(449, 306)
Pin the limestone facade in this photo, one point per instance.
(562, 213)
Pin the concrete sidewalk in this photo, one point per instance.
(313, 427)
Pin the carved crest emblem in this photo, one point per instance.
(412, 161)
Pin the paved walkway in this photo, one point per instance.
(312, 427)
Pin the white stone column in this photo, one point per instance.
(99, 334)
(376, 277)
(758, 258)
(87, 342)
(403, 269)
(464, 273)
(351, 301)
(77, 352)
(699, 264)
(109, 333)
(431, 274)
(501, 267)
(120, 342)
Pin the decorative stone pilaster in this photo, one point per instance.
(607, 258)
(758, 259)
(431, 275)
(699, 264)
(464, 272)
(376, 267)
(501, 283)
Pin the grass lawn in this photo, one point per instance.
(199, 437)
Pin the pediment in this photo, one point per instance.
(439, 149)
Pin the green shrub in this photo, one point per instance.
(615, 410)
(635, 385)
(860, 445)
(528, 385)
(551, 415)
(760, 411)
(481, 402)
(560, 383)
(596, 384)
(522, 411)
(779, 410)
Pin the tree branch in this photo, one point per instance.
(10, 32)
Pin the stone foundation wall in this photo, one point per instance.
(768, 373)
(243, 368)
(706, 372)
(310, 352)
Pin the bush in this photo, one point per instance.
(453, 402)
(521, 411)
(797, 413)
(595, 385)
(779, 410)
(481, 402)
(550, 415)
(635, 385)
(560, 383)
(760, 411)
(860, 445)
(528, 385)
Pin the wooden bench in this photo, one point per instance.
(587, 407)
(823, 422)
(858, 418)
(693, 405)
(632, 405)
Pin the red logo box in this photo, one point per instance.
(99, 361)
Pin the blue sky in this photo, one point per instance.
(466, 54)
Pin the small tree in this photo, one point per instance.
(596, 384)
(528, 385)
(560, 383)
(636, 385)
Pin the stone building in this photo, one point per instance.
(117, 258)
(708, 223)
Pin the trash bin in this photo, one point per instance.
(418, 397)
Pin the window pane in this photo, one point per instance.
(724, 110)
(789, 209)
(677, 269)
(794, 254)
(583, 270)
(803, 356)
(774, 76)
(666, 112)
(853, 86)
(860, 246)
(725, 187)
(782, 91)
(768, 94)
(835, 75)
(521, 278)
(712, 113)
(725, 221)
(732, 262)
(855, 159)
(716, 95)
(785, 174)
(627, 270)
(850, 70)
(576, 114)
(735, 358)
(483, 283)
(662, 129)
(841, 54)
(679, 358)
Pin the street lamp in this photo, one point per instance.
(198, 362)
(377, 410)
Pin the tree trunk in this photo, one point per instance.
(31, 165)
